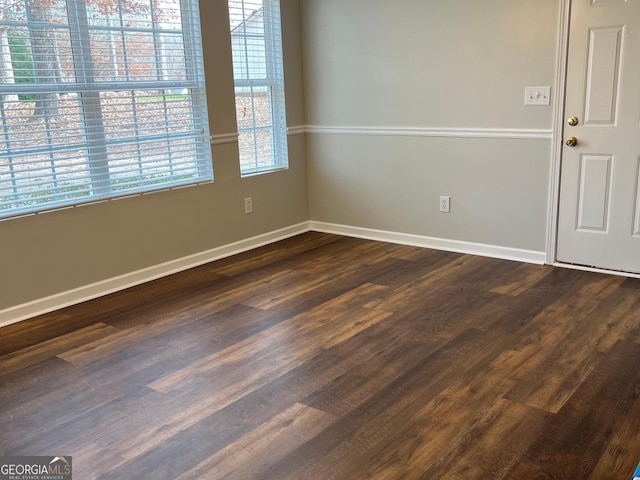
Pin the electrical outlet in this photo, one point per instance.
(248, 205)
(444, 204)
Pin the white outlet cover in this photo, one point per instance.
(537, 96)
(445, 205)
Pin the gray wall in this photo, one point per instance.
(348, 63)
(51, 253)
(430, 64)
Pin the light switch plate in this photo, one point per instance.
(537, 95)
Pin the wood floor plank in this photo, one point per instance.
(203, 331)
(264, 446)
(205, 299)
(576, 438)
(91, 461)
(494, 442)
(69, 421)
(396, 353)
(620, 455)
(487, 273)
(524, 277)
(37, 330)
(569, 363)
(438, 433)
(447, 311)
(285, 291)
(238, 418)
(339, 448)
(273, 253)
(449, 426)
(40, 352)
(547, 372)
(631, 283)
(326, 357)
(128, 307)
(429, 283)
(28, 377)
(217, 381)
(342, 312)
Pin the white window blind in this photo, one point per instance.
(99, 99)
(256, 41)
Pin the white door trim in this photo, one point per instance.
(562, 57)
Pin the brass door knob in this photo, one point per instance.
(572, 141)
(573, 121)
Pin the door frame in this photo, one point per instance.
(562, 57)
(557, 145)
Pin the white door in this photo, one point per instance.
(599, 215)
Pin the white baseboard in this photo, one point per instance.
(49, 304)
(483, 250)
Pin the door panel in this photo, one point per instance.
(599, 214)
(595, 191)
(602, 76)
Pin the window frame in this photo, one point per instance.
(87, 87)
(274, 83)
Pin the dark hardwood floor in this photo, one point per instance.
(322, 357)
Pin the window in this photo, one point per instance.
(259, 84)
(99, 99)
